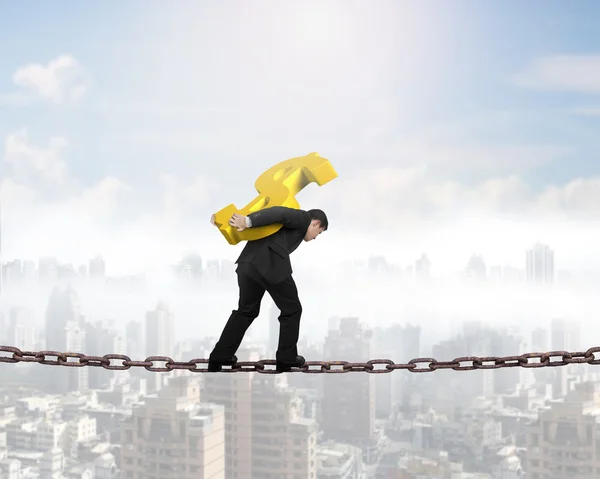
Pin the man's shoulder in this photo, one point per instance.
(285, 208)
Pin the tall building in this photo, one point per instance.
(476, 267)
(399, 343)
(267, 435)
(48, 269)
(539, 264)
(451, 391)
(160, 338)
(564, 336)
(213, 269)
(423, 267)
(539, 339)
(283, 440)
(160, 331)
(62, 311)
(505, 343)
(97, 267)
(101, 339)
(565, 439)
(234, 392)
(190, 267)
(65, 332)
(377, 264)
(348, 405)
(174, 436)
(21, 328)
(134, 339)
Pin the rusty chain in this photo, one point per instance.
(492, 362)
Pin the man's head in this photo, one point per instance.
(317, 225)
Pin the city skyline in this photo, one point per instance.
(188, 254)
(96, 266)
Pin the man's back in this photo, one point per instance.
(271, 255)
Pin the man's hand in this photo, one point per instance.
(212, 219)
(238, 221)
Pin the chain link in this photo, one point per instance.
(374, 366)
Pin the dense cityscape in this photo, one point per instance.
(95, 423)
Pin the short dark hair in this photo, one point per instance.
(317, 214)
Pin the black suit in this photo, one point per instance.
(264, 265)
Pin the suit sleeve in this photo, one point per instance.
(288, 217)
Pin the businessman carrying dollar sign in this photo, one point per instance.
(264, 266)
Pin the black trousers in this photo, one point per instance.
(252, 290)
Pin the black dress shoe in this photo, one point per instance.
(287, 366)
(214, 365)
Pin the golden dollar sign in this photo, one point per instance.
(278, 186)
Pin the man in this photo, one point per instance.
(264, 265)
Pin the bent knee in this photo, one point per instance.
(249, 312)
(295, 308)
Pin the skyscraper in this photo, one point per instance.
(174, 435)
(539, 261)
(65, 332)
(21, 329)
(97, 267)
(234, 392)
(565, 440)
(423, 267)
(101, 337)
(476, 267)
(160, 338)
(348, 406)
(267, 434)
(160, 331)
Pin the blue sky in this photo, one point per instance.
(199, 90)
(479, 45)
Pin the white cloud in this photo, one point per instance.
(26, 159)
(74, 220)
(580, 73)
(181, 197)
(406, 209)
(402, 213)
(42, 202)
(411, 195)
(38, 178)
(441, 152)
(100, 201)
(17, 193)
(59, 81)
(578, 197)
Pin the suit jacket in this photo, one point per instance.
(271, 255)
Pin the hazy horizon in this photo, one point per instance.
(440, 307)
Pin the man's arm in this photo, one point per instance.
(288, 217)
